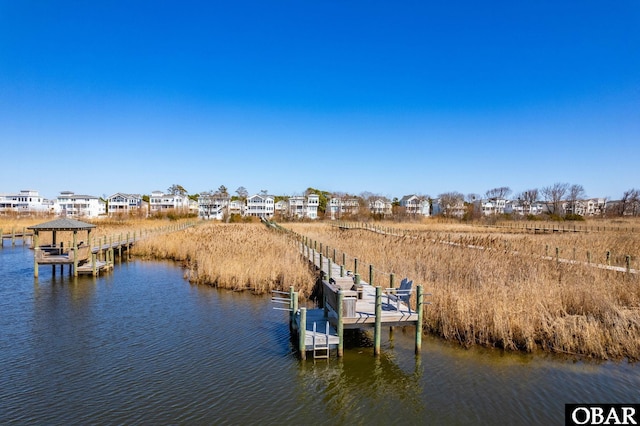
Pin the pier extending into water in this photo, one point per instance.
(14, 236)
(90, 256)
(349, 302)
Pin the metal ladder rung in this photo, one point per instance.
(324, 349)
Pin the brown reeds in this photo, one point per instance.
(497, 293)
(234, 256)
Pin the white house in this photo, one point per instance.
(71, 204)
(339, 207)
(313, 202)
(493, 206)
(260, 206)
(301, 207)
(159, 202)
(213, 206)
(27, 201)
(121, 203)
(415, 205)
(381, 206)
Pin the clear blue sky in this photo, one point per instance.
(389, 97)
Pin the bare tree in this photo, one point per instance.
(450, 202)
(629, 203)
(498, 193)
(527, 198)
(554, 195)
(242, 193)
(575, 193)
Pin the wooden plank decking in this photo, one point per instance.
(357, 303)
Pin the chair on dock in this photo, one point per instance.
(401, 294)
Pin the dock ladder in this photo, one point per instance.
(320, 349)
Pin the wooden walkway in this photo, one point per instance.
(351, 303)
(15, 235)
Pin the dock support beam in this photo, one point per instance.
(419, 309)
(35, 254)
(302, 339)
(340, 326)
(378, 327)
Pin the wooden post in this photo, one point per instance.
(419, 310)
(340, 326)
(291, 310)
(356, 279)
(94, 269)
(342, 270)
(334, 255)
(294, 301)
(13, 236)
(557, 254)
(344, 258)
(302, 346)
(392, 284)
(608, 257)
(75, 254)
(371, 275)
(355, 266)
(378, 327)
(35, 254)
(320, 261)
(329, 267)
(628, 261)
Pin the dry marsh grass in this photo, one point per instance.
(493, 297)
(234, 256)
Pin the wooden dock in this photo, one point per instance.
(348, 302)
(14, 236)
(91, 256)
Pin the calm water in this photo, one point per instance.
(143, 346)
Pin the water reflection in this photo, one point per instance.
(360, 386)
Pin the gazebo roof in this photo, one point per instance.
(63, 224)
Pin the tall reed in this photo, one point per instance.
(234, 256)
(500, 298)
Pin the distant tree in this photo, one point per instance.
(177, 190)
(554, 195)
(574, 194)
(450, 202)
(498, 193)
(242, 193)
(222, 190)
(629, 204)
(473, 207)
(264, 192)
(528, 198)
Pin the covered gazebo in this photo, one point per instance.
(55, 253)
